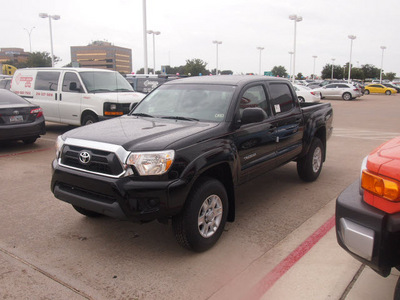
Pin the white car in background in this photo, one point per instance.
(343, 91)
(305, 94)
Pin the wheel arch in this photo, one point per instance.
(88, 112)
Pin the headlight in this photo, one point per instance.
(59, 144)
(151, 163)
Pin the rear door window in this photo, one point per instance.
(282, 99)
(47, 81)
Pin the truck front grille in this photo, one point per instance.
(91, 160)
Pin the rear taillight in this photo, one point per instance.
(37, 111)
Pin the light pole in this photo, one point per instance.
(351, 37)
(154, 47)
(333, 61)
(29, 33)
(145, 37)
(296, 19)
(383, 49)
(54, 17)
(217, 43)
(315, 58)
(259, 65)
(290, 66)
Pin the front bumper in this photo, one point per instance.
(122, 198)
(368, 234)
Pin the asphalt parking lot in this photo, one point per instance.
(49, 251)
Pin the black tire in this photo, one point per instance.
(366, 92)
(396, 295)
(29, 140)
(201, 223)
(89, 119)
(86, 212)
(301, 99)
(347, 96)
(309, 167)
(388, 92)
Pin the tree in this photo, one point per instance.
(40, 59)
(195, 67)
(279, 71)
(299, 76)
(327, 71)
(370, 71)
(389, 76)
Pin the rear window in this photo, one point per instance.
(7, 97)
(282, 99)
(47, 81)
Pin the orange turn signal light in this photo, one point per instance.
(113, 113)
(381, 186)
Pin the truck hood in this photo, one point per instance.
(385, 159)
(138, 133)
(121, 97)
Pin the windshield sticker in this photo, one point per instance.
(219, 116)
(277, 108)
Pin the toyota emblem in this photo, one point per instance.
(84, 157)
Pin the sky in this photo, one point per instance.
(188, 28)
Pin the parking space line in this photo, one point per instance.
(26, 152)
(276, 273)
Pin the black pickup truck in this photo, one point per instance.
(180, 153)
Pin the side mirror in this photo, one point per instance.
(73, 86)
(253, 115)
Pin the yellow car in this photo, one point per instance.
(379, 89)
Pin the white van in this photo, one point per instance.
(75, 96)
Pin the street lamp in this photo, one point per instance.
(54, 17)
(296, 19)
(259, 65)
(290, 66)
(217, 43)
(351, 37)
(154, 47)
(29, 33)
(333, 61)
(145, 36)
(383, 49)
(315, 57)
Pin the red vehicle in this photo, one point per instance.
(368, 212)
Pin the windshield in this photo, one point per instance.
(105, 82)
(208, 103)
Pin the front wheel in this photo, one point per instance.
(89, 119)
(201, 223)
(388, 92)
(309, 167)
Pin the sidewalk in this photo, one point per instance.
(322, 271)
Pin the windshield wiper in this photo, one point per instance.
(142, 115)
(122, 90)
(100, 91)
(180, 118)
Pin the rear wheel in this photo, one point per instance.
(366, 92)
(86, 212)
(309, 167)
(388, 92)
(346, 96)
(301, 99)
(201, 223)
